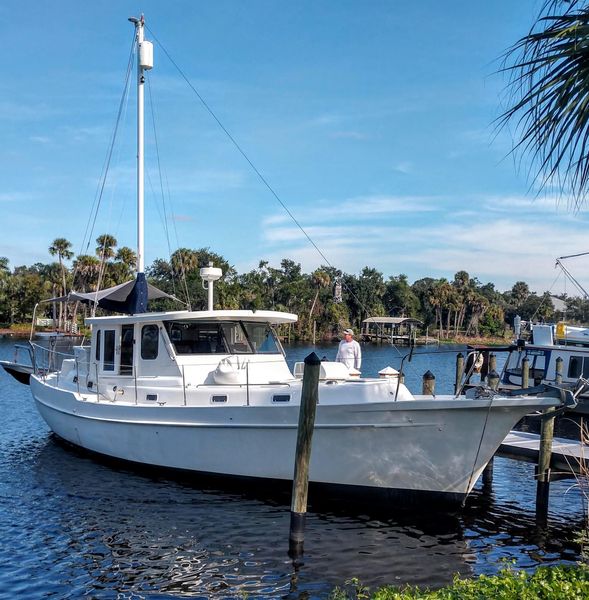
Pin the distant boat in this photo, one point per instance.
(19, 371)
(548, 343)
(210, 391)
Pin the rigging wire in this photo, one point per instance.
(102, 181)
(164, 216)
(252, 165)
(183, 271)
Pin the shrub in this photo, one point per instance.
(549, 583)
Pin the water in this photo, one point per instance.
(72, 526)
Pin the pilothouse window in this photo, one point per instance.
(222, 337)
(262, 338)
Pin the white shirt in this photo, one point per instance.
(350, 354)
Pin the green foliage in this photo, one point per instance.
(462, 305)
(549, 68)
(549, 583)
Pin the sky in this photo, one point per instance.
(374, 123)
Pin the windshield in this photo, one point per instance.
(222, 337)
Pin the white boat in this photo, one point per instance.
(211, 392)
(548, 343)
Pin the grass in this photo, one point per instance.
(567, 582)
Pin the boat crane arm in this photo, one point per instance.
(568, 274)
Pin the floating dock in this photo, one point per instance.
(570, 458)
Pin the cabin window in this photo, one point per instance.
(98, 336)
(196, 337)
(108, 363)
(222, 337)
(261, 338)
(126, 367)
(218, 399)
(149, 342)
(575, 366)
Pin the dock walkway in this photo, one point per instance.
(569, 457)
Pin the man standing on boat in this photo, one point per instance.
(349, 351)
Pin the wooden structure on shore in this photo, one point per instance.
(401, 331)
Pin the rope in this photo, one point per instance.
(474, 464)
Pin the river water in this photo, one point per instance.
(72, 526)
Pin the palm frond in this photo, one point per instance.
(548, 95)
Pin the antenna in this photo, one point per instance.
(210, 274)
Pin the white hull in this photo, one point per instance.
(424, 445)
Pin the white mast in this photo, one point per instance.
(144, 63)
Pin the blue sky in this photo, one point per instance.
(373, 121)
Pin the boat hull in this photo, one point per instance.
(21, 373)
(422, 445)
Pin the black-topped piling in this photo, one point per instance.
(300, 484)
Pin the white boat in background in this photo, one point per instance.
(548, 343)
(211, 392)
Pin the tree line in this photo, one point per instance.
(326, 300)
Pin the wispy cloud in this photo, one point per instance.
(15, 197)
(504, 249)
(404, 167)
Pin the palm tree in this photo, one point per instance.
(88, 268)
(184, 261)
(124, 266)
(549, 96)
(321, 280)
(105, 250)
(61, 248)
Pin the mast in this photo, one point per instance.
(144, 63)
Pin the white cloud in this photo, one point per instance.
(501, 250)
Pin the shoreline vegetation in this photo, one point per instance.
(566, 582)
(461, 309)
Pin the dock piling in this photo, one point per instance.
(525, 373)
(493, 379)
(488, 475)
(459, 371)
(558, 368)
(429, 384)
(492, 362)
(543, 469)
(300, 484)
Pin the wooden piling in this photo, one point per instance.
(492, 362)
(558, 367)
(300, 484)
(485, 366)
(488, 474)
(493, 379)
(429, 384)
(543, 469)
(525, 373)
(459, 371)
